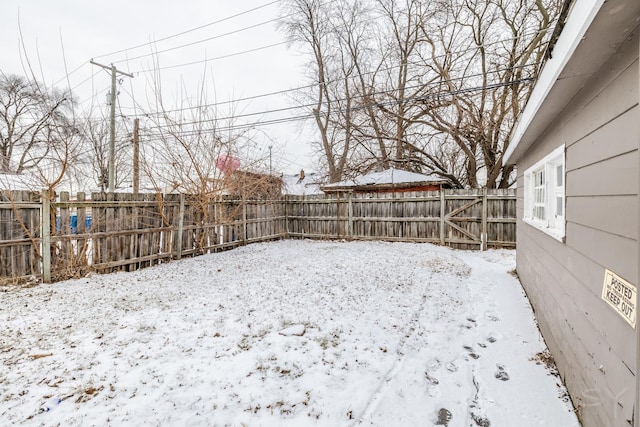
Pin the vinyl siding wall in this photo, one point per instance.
(593, 346)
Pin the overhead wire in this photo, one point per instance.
(189, 30)
(298, 88)
(259, 49)
(203, 61)
(93, 95)
(267, 122)
(300, 117)
(132, 92)
(175, 48)
(310, 115)
(197, 42)
(67, 74)
(379, 92)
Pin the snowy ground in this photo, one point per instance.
(393, 334)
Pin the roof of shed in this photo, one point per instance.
(295, 186)
(386, 178)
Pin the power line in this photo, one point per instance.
(380, 92)
(305, 116)
(458, 52)
(310, 115)
(188, 31)
(210, 59)
(243, 126)
(248, 51)
(197, 42)
(248, 98)
(72, 72)
(170, 37)
(85, 80)
(279, 92)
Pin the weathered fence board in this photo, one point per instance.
(19, 234)
(464, 219)
(126, 232)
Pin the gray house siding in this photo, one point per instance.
(593, 346)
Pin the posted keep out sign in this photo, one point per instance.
(620, 295)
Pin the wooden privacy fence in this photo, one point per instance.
(463, 219)
(20, 217)
(125, 232)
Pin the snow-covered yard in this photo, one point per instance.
(290, 333)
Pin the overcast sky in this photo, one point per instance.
(93, 30)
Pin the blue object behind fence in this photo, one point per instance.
(74, 224)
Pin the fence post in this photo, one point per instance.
(45, 225)
(65, 230)
(483, 236)
(338, 215)
(81, 228)
(442, 215)
(180, 226)
(350, 213)
(286, 217)
(244, 222)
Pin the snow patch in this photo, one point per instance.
(297, 330)
(289, 333)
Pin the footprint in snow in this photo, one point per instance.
(471, 323)
(501, 374)
(471, 352)
(434, 364)
(491, 316)
(452, 367)
(430, 379)
(480, 420)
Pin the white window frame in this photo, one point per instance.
(538, 212)
(544, 194)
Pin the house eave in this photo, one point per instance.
(593, 32)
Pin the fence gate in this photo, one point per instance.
(473, 219)
(464, 219)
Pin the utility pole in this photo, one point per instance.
(112, 133)
(136, 156)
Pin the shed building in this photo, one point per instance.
(576, 150)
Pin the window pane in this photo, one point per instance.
(559, 206)
(544, 193)
(539, 194)
(560, 175)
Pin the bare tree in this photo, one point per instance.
(92, 167)
(484, 77)
(309, 24)
(197, 150)
(401, 84)
(430, 86)
(96, 134)
(31, 118)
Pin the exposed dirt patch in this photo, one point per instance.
(545, 358)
